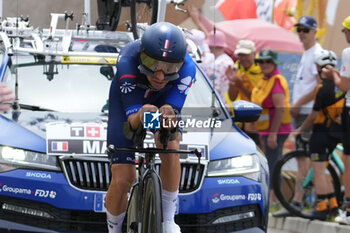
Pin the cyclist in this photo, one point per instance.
(6, 97)
(153, 74)
(342, 80)
(327, 109)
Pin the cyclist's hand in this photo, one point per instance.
(147, 108)
(296, 132)
(328, 72)
(294, 110)
(168, 116)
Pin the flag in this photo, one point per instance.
(59, 146)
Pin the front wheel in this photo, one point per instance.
(143, 13)
(152, 216)
(285, 183)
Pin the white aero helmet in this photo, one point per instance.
(325, 57)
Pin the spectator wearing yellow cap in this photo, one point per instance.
(342, 80)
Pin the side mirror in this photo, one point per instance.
(244, 111)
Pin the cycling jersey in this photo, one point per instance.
(130, 90)
(328, 102)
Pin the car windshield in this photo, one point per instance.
(85, 87)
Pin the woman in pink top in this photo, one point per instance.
(272, 93)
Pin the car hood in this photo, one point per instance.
(35, 130)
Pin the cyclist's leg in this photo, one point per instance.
(122, 168)
(170, 173)
(320, 144)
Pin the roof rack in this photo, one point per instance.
(19, 36)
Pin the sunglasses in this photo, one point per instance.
(151, 65)
(265, 62)
(305, 30)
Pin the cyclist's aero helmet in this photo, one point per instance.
(325, 57)
(163, 47)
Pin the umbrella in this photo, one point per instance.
(264, 34)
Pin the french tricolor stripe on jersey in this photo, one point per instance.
(59, 146)
(166, 46)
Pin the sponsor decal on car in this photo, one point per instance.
(77, 138)
(38, 175)
(228, 181)
(217, 197)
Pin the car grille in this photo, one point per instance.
(94, 174)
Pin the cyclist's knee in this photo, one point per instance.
(123, 177)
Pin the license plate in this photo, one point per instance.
(99, 202)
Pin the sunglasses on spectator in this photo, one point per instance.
(265, 61)
(305, 30)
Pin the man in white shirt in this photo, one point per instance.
(304, 86)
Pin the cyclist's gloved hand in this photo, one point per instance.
(168, 117)
(147, 108)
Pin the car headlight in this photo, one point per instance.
(19, 157)
(244, 165)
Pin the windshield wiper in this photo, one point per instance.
(34, 108)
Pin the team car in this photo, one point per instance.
(54, 170)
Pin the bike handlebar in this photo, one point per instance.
(112, 149)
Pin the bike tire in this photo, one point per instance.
(142, 11)
(133, 217)
(152, 215)
(284, 186)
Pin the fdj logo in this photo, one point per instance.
(151, 120)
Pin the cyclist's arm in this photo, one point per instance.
(136, 119)
(177, 94)
(308, 121)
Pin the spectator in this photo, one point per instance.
(6, 97)
(217, 44)
(243, 78)
(304, 86)
(217, 72)
(272, 93)
(342, 80)
(326, 112)
(207, 59)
